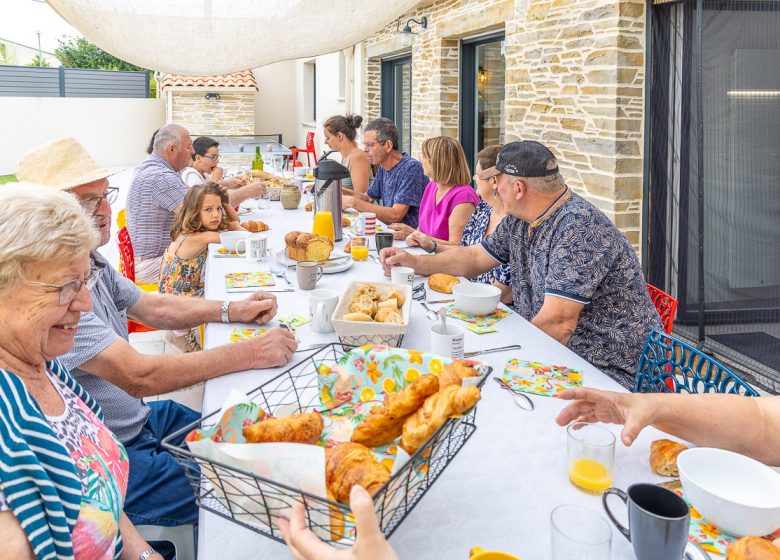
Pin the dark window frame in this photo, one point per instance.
(388, 101)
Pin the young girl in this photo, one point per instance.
(204, 213)
(449, 199)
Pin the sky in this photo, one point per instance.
(23, 18)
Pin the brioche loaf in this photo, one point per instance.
(303, 246)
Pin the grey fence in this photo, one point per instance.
(34, 81)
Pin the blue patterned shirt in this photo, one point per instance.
(474, 233)
(403, 184)
(574, 251)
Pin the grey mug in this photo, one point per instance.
(308, 273)
(658, 521)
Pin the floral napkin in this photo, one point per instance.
(710, 538)
(247, 281)
(540, 379)
(237, 335)
(223, 253)
(295, 320)
(476, 323)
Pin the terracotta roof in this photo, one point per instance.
(245, 79)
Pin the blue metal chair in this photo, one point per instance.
(668, 361)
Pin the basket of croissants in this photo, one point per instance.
(373, 313)
(388, 419)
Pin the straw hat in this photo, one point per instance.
(62, 164)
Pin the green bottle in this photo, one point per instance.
(257, 163)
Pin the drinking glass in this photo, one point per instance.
(264, 202)
(359, 248)
(579, 533)
(591, 453)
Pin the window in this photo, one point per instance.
(397, 97)
(482, 94)
(310, 91)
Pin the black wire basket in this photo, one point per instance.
(255, 502)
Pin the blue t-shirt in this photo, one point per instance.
(403, 184)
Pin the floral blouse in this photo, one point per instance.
(182, 277)
(474, 233)
(103, 467)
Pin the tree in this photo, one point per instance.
(35, 62)
(78, 52)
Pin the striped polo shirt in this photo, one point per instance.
(155, 192)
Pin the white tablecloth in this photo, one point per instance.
(498, 492)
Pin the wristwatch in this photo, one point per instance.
(148, 553)
(224, 311)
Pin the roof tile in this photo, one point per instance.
(237, 79)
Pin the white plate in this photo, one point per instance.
(327, 268)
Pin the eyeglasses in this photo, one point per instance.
(92, 204)
(214, 157)
(370, 145)
(69, 290)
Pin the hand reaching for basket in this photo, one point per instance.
(369, 545)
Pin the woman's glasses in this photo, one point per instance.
(69, 290)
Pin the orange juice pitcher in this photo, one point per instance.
(323, 224)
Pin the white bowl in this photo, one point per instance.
(230, 238)
(735, 493)
(476, 298)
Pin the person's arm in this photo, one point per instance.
(165, 311)
(746, 425)
(459, 261)
(133, 544)
(359, 171)
(558, 317)
(507, 296)
(234, 221)
(387, 214)
(14, 539)
(458, 218)
(144, 375)
(195, 243)
(252, 190)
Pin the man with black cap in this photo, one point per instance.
(574, 274)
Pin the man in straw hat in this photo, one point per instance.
(117, 376)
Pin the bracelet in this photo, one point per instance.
(434, 247)
(148, 553)
(224, 313)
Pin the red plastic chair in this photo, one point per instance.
(309, 151)
(666, 306)
(127, 268)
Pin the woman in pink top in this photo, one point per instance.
(449, 198)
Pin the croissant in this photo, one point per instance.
(434, 413)
(384, 422)
(663, 456)
(297, 428)
(347, 464)
(254, 226)
(455, 373)
(752, 548)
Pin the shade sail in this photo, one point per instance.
(210, 37)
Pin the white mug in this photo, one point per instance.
(255, 247)
(402, 275)
(449, 343)
(366, 223)
(322, 304)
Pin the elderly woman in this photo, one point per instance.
(482, 222)
(63, 474)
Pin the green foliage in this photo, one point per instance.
(35, 62)
(78, 52)
(7, 178)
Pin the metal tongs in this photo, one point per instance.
(521, 399)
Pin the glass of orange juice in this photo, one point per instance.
(591, 453)
(359, 249)
(323, 224)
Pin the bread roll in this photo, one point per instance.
(395, 294)
(442, 282)
(663, 456)
(309, 206)
(362, 304)
(370, 290)
(393, 317)
(391, 303)
(358, 316)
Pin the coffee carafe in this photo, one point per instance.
(327, 190)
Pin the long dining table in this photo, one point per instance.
(500, 489)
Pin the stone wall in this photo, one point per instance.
(232, 114)
(574, 81)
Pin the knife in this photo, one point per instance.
(491, 350)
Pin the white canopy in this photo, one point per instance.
(211, 37)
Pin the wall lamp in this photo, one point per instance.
(214, 96)
(423, 23)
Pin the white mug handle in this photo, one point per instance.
(240, 241)
(319, 316)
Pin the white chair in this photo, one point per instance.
(182, 537)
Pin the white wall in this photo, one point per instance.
(114, 131)
(275, 109)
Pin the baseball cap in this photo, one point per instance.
(522, 159)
